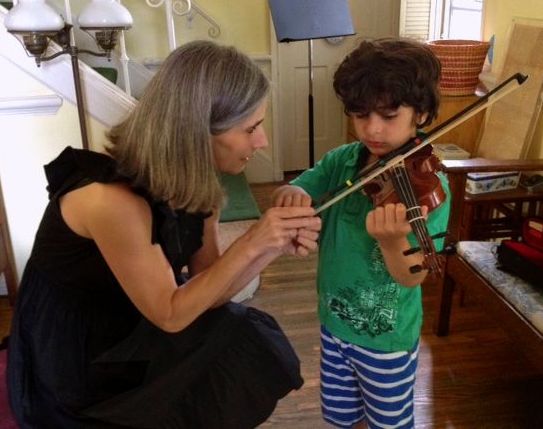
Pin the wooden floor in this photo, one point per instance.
(474, 378)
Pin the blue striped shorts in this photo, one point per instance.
(359, 383)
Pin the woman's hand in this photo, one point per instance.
(294, 196)
(286, 230)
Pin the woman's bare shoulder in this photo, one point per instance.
(97, 203)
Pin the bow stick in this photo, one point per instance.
(372, 171)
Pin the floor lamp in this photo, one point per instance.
(296, 20)
(35, 23)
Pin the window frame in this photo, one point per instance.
(438, 19)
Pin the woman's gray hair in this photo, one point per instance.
(164, 145)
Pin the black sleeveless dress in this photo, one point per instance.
(80, 355)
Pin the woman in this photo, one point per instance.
(103, 333)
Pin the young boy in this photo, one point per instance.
(370, 304)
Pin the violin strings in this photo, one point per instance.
(413, 209)
(414, 213)
(401, 179)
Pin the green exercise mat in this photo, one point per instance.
(240, 203)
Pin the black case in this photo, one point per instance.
(521, 260)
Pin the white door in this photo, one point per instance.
(371, 19)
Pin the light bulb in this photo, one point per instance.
(101, 14)
(30, 16)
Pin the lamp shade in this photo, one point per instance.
(100, 14)
(33, 16)
(310, 19)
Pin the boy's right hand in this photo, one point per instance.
(291, 196)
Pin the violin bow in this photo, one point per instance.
(377, 168)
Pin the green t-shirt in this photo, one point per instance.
(359, 301)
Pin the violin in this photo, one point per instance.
(408, 175)
(420, 171)
(413, 182)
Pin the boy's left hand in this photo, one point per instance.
(389, 223)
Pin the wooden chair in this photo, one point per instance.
(7, 420)
(482, 217)
(7, 261)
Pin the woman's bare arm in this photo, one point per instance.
(120, 223)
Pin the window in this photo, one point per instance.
(462, 19)
(441, 19)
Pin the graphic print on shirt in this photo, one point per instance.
(368, 306)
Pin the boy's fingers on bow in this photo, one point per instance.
(301, 200)
(278, 200)
(287, 200)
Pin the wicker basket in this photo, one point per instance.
(461, 63)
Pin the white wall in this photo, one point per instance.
(27, 142)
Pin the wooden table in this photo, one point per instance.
(498, 214)
(482, 217)
(472, 215)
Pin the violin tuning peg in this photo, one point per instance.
(433, 237)
(416, 269)
(411, 251)
(440, 235)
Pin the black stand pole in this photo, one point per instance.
(79, 98)
(296, 20)
(310, 107)
(64, 39)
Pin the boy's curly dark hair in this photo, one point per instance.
(388, 73)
